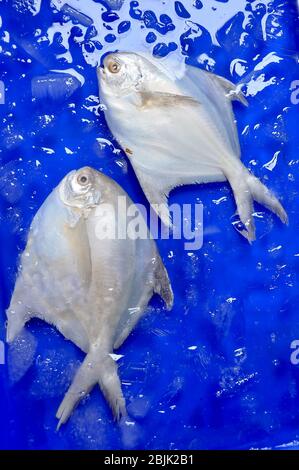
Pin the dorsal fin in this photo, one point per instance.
(232, 91)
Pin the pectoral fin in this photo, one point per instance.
(152, 99)
(73, 216)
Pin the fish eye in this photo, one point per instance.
(114, 67)
(83, 179)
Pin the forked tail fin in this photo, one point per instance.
(247, 189)
(100, 368)
(264, 196)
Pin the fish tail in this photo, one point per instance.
(264, 196)
(111, 388)
(247, 189)
(94, 369)
(244, 202)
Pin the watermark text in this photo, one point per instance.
(295, 91)
(2, 353)
(134, 221)
(294, 357)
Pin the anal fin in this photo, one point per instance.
(156, 192)
(162, 283)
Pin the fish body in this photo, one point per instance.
(92, 289)
(179, 129)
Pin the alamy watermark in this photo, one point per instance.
(133, 221)
(294, 357)
(2, 92)
(295, 91)
(2, 353)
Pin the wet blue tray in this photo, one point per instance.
(216, 371)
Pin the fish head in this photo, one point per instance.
(121, 73)
(81, 188)
(125, 72)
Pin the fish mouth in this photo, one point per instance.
(101, 73)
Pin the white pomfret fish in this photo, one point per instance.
(177, 130)
(92, 289)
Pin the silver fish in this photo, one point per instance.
(91, 288)
(179, 129)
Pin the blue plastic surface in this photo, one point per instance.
(215, 372)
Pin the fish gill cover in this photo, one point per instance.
(215, 372)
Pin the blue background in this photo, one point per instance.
(235, 304)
